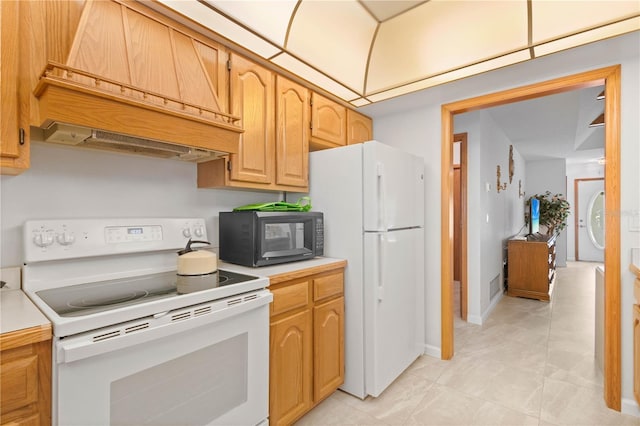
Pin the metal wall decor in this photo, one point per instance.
(511, 165)
(499, 186)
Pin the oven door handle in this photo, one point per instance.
(110, 339)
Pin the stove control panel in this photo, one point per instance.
(125, 234)
(55, 239)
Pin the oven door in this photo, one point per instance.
(206, 364)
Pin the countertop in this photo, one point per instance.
(287, 271)
(17, 312)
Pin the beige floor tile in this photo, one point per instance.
(574, 367)
(530, 363)
(497, 382)
(428, 367)
(564, 403)
(332, 411)
(445, 406)
(396, 403)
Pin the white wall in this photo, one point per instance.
(66, 182)
(550, 175)
(413, 122)
(497, 216)
(578, 171)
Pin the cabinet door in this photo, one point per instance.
(290, 368)
(252, 99)
(25, 384)
(292, 133)
(329, 123)
(14, 150)
(636, 352)
(359, 128)
(328, 344)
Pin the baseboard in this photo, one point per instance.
(474, 319)
(433, 351)
(480, 319)
(630, 407)
(492, 306)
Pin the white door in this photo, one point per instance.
(393, 188)
(393, 305)
(590, 230)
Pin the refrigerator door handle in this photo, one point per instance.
(382, 205)
(381, 257)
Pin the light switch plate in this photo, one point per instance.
(12, 276)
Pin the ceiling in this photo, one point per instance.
(365, 51)
(554, 126)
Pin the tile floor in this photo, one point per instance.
(531, 363)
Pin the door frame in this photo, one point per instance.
(462, 138)
(576, 210)
(610, 78)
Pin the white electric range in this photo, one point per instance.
(131, 346)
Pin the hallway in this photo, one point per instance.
(531, 363)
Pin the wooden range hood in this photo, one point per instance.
(121, 68)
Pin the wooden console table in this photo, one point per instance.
(531, 268)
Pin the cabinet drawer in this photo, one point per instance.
(19, 383)
(331, 285)
(290, 297)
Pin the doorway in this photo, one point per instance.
(610, 77)
(460, 220)
(589, 219)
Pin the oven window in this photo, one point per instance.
(194, 389)
(283, 239)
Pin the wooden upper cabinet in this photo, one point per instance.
(14, 108)
(274, 148)
(359, 128)
(328, 123)
(252, 99)
(292, 133)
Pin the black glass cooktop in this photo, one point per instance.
(84, 299)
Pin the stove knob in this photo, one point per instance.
(186, 232)
(43, 239)
(198, 231)
(66, 238)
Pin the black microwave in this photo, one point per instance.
(253, 238)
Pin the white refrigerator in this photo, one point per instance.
(372, 197)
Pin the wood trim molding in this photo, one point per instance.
(15, 339)
(576, 211)
(610, 77)
(462, 138)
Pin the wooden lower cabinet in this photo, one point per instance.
(531, 268)
(306, 342)
(25, 377)
(290, 367)
(328, 343)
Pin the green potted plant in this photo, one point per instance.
(554, 210)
